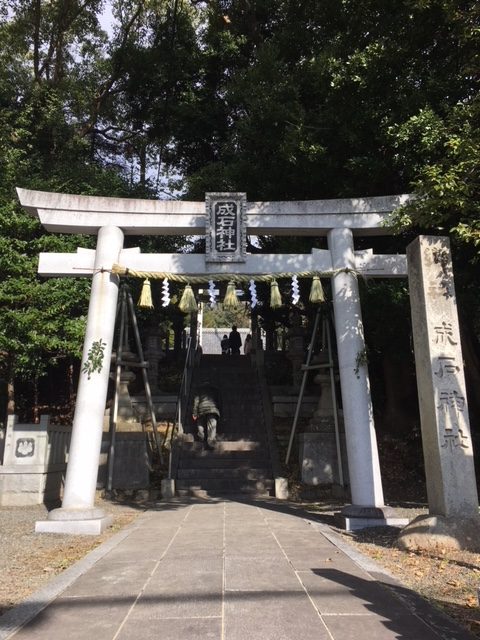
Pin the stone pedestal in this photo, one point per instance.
(318, 455)
(167, 488)
(281, 488)
(355, 517)
(131, 463)
(125, 407)
(318, 458)
(74, 522)
(325, 398)
(154, 354)
(296, 350)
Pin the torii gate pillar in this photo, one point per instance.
(362, 451)
(78, 514)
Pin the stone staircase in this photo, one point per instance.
(240, 462)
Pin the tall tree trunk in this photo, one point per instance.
(36, 39)
(36, 410)
(10, 393)
(143, 164)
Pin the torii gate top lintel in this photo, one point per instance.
(66, 213)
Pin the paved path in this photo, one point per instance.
(226, 570)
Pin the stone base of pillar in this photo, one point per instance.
(167, 489)
(432, 533)
(281, 488)
(354, 517)
(90, 522)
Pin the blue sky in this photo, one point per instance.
(106, 18)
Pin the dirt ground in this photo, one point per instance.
(449, 580)
(29, 560)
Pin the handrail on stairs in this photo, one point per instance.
(182, 399)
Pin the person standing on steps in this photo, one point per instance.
(225, 345)
(247, 347)
(235, 341)
(206, 413)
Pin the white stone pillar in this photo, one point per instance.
(363, 464)
(78, 514)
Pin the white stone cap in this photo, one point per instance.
(66, 213)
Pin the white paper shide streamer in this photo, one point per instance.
(165, 293)
(295, 290)
(212, 294)
(253, 294)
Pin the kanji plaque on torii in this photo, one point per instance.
(226, 227)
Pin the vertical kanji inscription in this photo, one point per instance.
(226, 227)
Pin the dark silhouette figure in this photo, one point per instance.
(225, 345)
(234, 340)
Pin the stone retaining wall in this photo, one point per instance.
(34, 462)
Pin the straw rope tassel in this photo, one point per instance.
(231, 301)
(316, 292)
(187, 303)
(275, 297)
(145, 300)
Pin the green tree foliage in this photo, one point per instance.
(299, 100)
(445, 152)
(438, 146)
(278, 98)
(221, 317)
(57, 79)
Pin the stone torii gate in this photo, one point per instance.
(113, 218)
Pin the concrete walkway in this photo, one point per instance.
(226, 570)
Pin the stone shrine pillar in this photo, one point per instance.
(318, 453)
(447, 445)
(362, 452)
(154, 354)
(78, 514)
(296, 350)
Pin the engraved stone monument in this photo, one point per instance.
(447, 444)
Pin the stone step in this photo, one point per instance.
(239, 456)
(241, 431)
(240, 461)
(220, 360)
(196, 462)
(212, 486)
(231, 388)
(225, 445)
(199, 475)
(241, 416)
